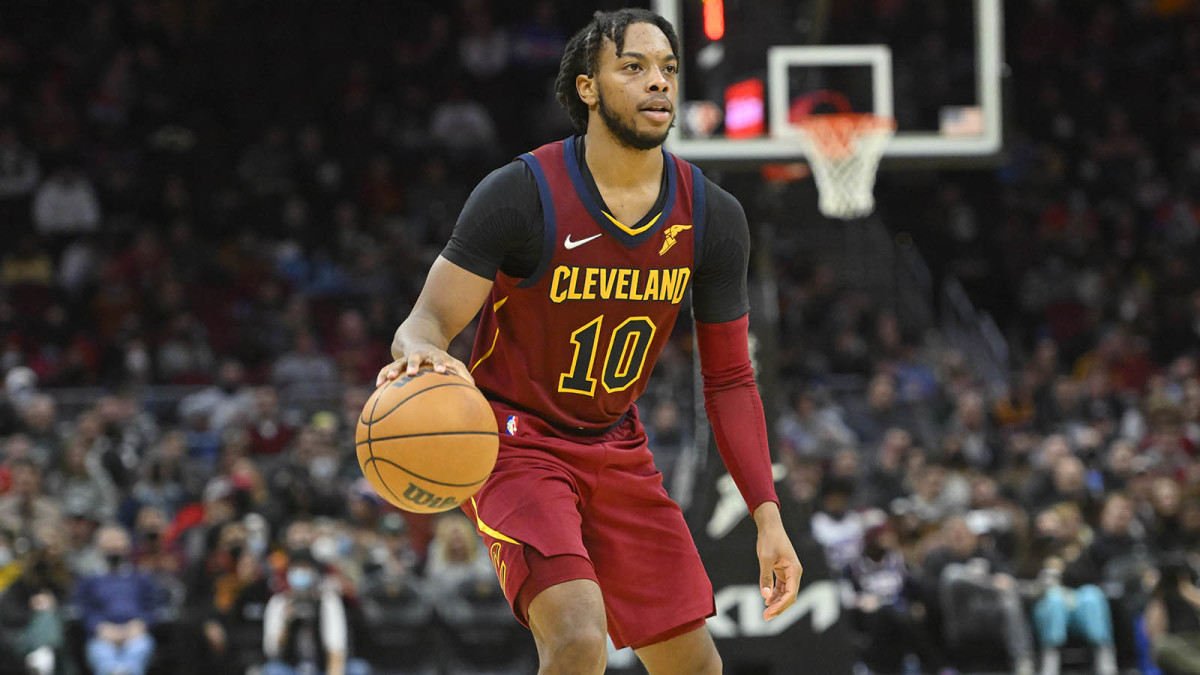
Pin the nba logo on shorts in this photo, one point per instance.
(511, 425)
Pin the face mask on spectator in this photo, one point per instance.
(300, 578)
(114, 560)
(325, 549)
(323, 468)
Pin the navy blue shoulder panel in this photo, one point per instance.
(547, 215)
(699, 215)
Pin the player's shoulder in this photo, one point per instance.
(722, 209)
(719, 197)
(510, 186)
(515, 175)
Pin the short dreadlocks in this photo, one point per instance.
(582, 55)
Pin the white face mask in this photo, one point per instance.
(300, 578)
(323, 468)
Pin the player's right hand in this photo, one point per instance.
(409, 364)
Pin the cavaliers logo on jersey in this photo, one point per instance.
(669, 237)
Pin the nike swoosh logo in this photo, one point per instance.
(568, 244)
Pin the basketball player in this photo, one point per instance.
(582, 250)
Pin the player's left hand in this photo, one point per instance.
(779, 567)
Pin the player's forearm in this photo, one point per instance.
(735, 410)
(419, 331)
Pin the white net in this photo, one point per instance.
(844, 150)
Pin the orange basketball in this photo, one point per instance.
(427, 442)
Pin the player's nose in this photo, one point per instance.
(658, 79)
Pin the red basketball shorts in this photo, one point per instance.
(559, 507)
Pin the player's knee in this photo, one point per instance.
(712, 666)
(577, 649)
(705, 662)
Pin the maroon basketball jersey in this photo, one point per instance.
(576, 341)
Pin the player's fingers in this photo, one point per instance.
(440, 361)
(389, 372)
(459, 368)
(414, 363)
(786, 586)
(766, 579)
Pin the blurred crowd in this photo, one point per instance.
(1055, 519)
(204, 199)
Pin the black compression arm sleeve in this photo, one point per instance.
(500, 227)
(719, 293)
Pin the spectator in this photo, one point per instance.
(357, 354)
(305, 626)
(1002, 522)
(456, 555)
(1166, 517)
(198, 522)
(1069, 598)
(814, 427)
(881, 412)
(538, 44)
(1119, 537)
(150, 553)
(484, 49)
(117, 609)
(973, 429)
(837, 528)
(166, 476)
(1173, 619)
(26, 509)
(304, 374)
(80, 479)
(66, 204)
(226, 591)
(82, 556)
(885, 480)
(39, 415)
(270, 430)
(883, 607)
(307, 481)
(464, 127)
(29, 609)
(961, 578)
(223, 405)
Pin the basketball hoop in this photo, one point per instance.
(844, 149)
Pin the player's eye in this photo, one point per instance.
(633, 66)
(672, 69)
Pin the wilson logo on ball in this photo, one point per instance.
(421, 497)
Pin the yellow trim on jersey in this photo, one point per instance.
(620, 371)
(495, 307)
(631, 230)
(489, 531)
(598, 322)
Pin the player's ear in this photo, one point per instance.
(586, 86)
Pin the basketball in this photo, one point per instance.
(428, 442)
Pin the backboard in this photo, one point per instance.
(752, 67)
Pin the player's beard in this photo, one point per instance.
(624, 131)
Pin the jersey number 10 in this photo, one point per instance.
(627, 349)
